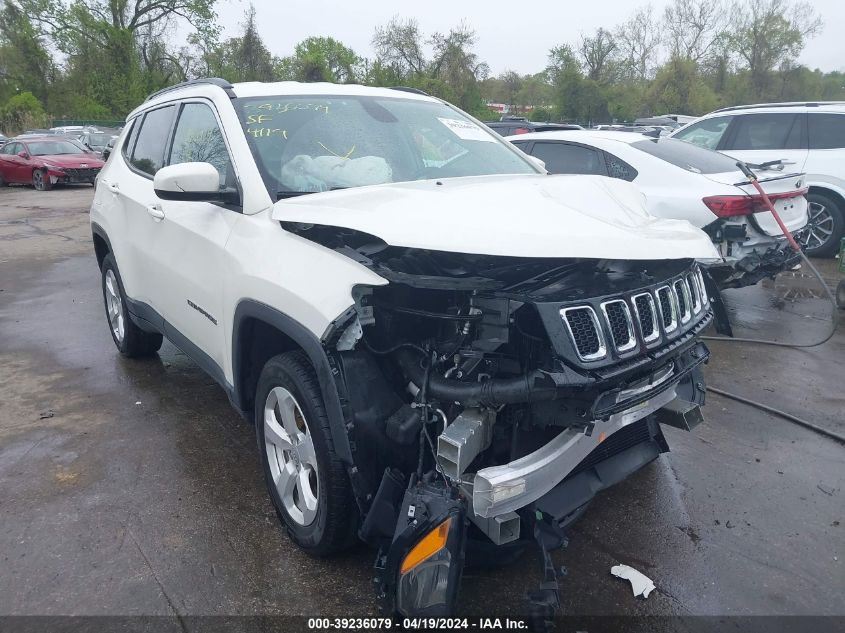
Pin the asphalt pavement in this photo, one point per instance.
(132, 488)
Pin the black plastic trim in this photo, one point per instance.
(312, 347)
(148, 319)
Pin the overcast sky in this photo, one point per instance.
(508, 39)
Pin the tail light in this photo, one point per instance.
(730, 206)
(521, 130)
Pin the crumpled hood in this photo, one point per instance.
(520, 216)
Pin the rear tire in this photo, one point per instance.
(296, 448)
(130, 340)
(41, 180)
(825, 228)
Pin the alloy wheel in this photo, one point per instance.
(114, 306)
(291, 455)
(819, 228)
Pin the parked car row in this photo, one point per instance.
(780, 141)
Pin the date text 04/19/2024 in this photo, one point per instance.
(513, 624)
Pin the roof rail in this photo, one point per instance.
(790, 104)
(214, 81)
(415, 91)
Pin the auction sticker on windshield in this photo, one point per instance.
(466, 130)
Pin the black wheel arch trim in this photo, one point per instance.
(313, 349)
(99, 231)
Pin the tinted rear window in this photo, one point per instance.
(687, 156)
(827, 131)
(562, 158)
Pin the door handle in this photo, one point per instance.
(113, 187)
(155, 211)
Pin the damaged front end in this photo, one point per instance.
(489, 398)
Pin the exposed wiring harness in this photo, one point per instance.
(752, 177)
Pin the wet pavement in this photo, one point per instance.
(132, 488)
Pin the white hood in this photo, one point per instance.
(521, 216)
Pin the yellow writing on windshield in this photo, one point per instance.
(265, 132)
(288, 107)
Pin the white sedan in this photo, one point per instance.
(683, 181)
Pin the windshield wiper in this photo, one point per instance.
(281, 195)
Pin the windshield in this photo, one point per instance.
(687, 156)
(320, 143)
(99, 140)
(52, 148)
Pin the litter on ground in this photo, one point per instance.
(641, 584)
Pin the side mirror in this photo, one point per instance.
(106, 153)
(188, 182)
(23, 154)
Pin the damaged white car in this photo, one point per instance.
(445, 352)
(686, 182)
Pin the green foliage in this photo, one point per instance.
(321, 59)
(21, 112)
(679, 88)
(244, 58)
(98, 59)
(540, 114)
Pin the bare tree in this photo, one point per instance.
(639, 40)
(598, 54)
(769, 33)
(400, 44)
(694, 26)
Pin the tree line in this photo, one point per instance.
(98, 59)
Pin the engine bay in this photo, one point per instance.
(488, 384)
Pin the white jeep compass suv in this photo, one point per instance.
(444, 350)
(790, 137)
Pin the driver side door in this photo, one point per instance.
(188, 238)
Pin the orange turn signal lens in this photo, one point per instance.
(429, 545)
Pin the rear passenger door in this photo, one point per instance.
(762, 137)
(826, 158)
(143, 272)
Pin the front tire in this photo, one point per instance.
(825, 228)
(41, 180)
(130, 340)
(307, 482)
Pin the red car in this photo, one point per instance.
(45, 161)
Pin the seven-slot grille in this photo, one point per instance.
(664, 310)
